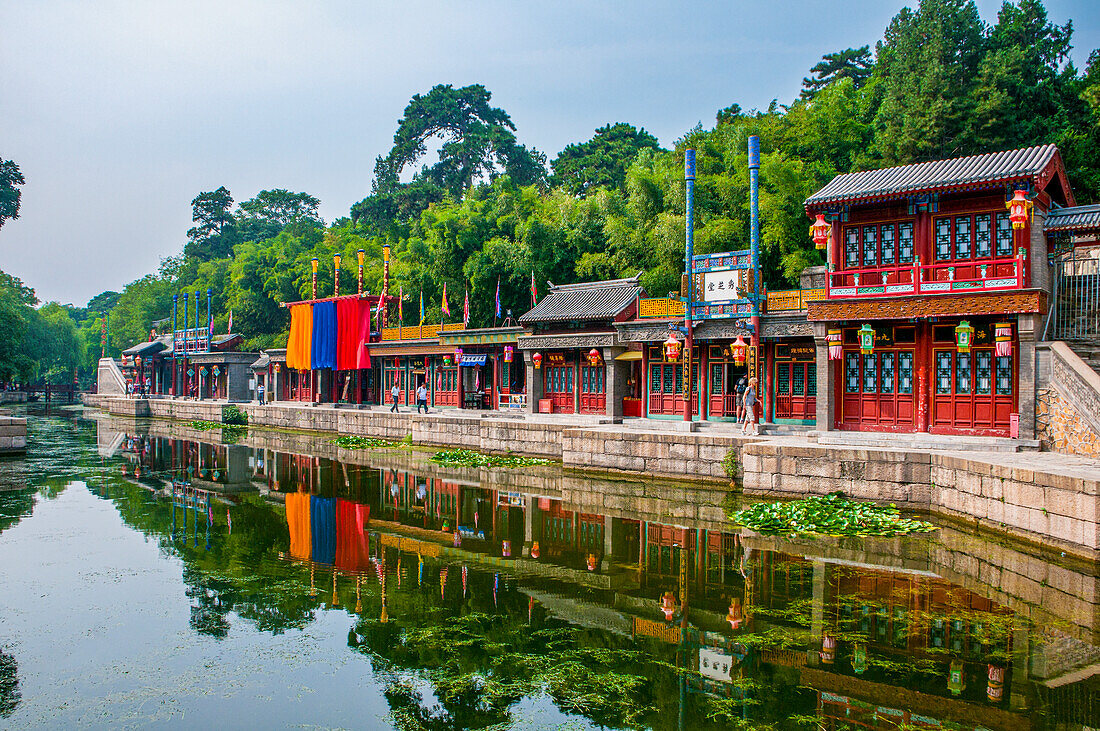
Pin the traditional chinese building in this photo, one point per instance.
(937, 287)
(572, 348)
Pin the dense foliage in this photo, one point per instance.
(941, 82)
(470, 458)
(834, 515)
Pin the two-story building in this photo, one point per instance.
(937, 287)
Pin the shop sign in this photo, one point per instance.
(722, 285)
(795, 352)
(555, 359)
(472, 359)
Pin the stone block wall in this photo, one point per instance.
(1048, 507)
(13, 434)
(1060, 426)
(683, 456)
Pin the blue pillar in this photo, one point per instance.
(209, 295)
(175, 312)
(754, 243)
(196, 319)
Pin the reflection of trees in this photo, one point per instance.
(14, 506)
(9, 684)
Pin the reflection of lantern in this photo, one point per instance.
(535, 549)
(668, 605)
(995, 689)
(739, 350)
(866, 339)
(507, 353)
(537, 360)
(593, 357)
(859, 658)
(1018, 209)
(828, 649)
(506, 548)
(1003, 338)
(672, 348)
(964, 336)
(735, 617)
(835, 339)
(820, 231)
(591, 562)
(955, 677)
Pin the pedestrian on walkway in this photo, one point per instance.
(739, 389)
(260, 392)
(395, 393)
(421, 398)
(750, 408)
(129, 389)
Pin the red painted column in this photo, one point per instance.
(704, 382)
(769, 398)
(923, 357)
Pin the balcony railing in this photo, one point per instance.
(917, 278)
(659, 307)
(792, 300)
(419, 332)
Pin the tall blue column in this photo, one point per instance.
(689, 251)
(754, 244)
(209, 295)
(175, 311)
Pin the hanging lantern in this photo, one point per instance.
(593, 357)
(458, 356)
(835, 339)
(276, 369)
(820, 231)
(1019, 208)
(739, 350)
(828, 649)
(995, 688)
(672, 348)
(448, 361)
(1003, 339)
(964, 336)
(508, 353)
(866, 339)
(537, 360)
(217, 370)
(137, 361)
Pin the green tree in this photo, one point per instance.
(602, 161)
(283, 208)
(851, 63)
(927, 65)
(215, 231)
(10, 180)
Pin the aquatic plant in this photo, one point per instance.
(470, 458)
(833, 514)
(353, 442)
(233, 416)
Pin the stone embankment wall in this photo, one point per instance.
(13, 397)
(1067, 409)
(13, 434)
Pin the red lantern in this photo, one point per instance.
(672, 348)
(535, 549)
(276, 368)
(593, 357)
(740, 350)
(820, 231)
(537, 360)
(1018, 209)
(735, 617)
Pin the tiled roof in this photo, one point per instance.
(149, 348)
(262, 362)
(1078, 218)
(958, 172)
(587, 301)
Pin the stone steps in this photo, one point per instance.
(924, 441)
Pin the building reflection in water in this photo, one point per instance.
(860, 643)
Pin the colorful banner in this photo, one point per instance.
(297, 519)
(352, 541)
(322, 522)
(299, 344)
(353, 330)
(323, 350)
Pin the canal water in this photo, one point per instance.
(156, 575)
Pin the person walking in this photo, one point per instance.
(421, 398)
(260, 392)
(739, 389)
(395, 393)
(750, 408)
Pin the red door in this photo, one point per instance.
(446, 386)
(558, 387)
(593, 398)
(795, 390)
(878, 393)
(974, 392)
(666, 395)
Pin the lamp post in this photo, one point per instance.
(336, 276)
(360, 254)
(689, 251)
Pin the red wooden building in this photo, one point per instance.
(937, 286)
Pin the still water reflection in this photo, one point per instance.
(154, 575)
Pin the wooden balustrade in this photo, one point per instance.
(660, 307)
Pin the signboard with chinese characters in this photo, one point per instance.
(722, 285)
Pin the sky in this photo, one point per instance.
(120, 113)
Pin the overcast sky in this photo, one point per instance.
(119, 113)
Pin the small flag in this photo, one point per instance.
(400, 306)
(534, 290)
(446, 307)
(498, 297)
(209, 329)
(466, 309)
(228, 330)
(422, 307)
